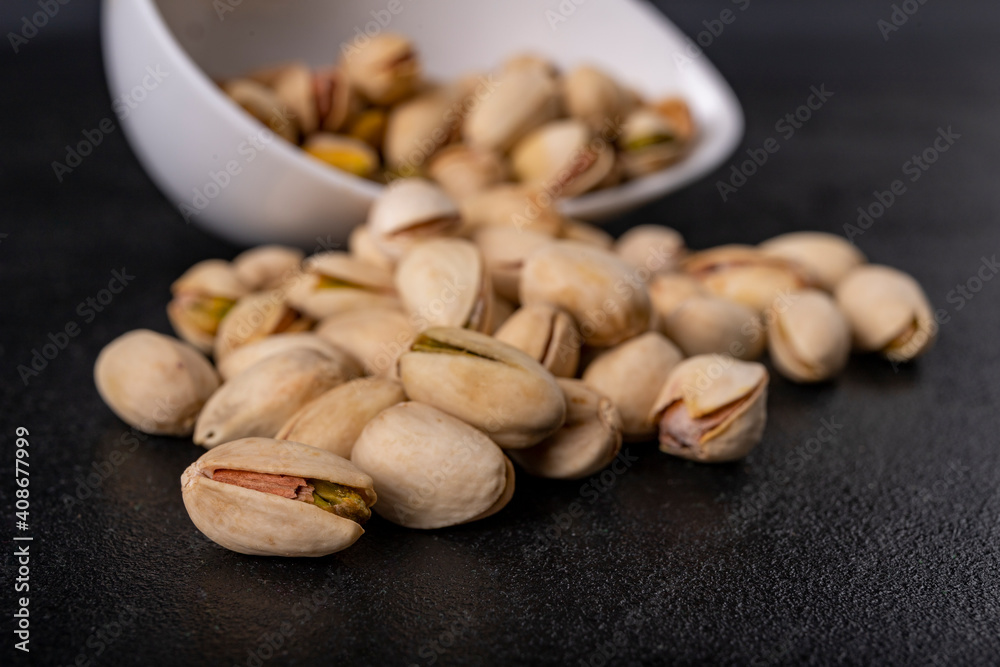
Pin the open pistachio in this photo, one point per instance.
(202, 297)
(655, 248)
(592, 285)
(584, 232)
(462, 171)
(247, 355)
(589, 440)
(409, 211)
(334, 420)
(522, 207)
(594, 97)
(826, 256)
(416, 129)
(263, 397)
(745, 274)
(364, 249)
(678, 114)
(504, 250)
(563, 157)
(345, 153)
(375, 336)
(431, 469)
(631, 375)
(546, 334)
(267, 266)
(335, 282)
(293, 86)
(712, 325)
(712, 409)
(153, 382)
(444, 282)
(649, 142)
(888, 312)
(257, 316)
(486, 383)
(808, 338)
(385, 69)
(668, 290)
(260, 102)
(524, 99)
(337, 101)
(266, 497)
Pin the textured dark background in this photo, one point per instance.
(879, 547)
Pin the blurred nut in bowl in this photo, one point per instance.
(826, 256)
(202, 297)
(584, 232)
(345, 153)
(547, 335)
(488, 384)
(649, 142)
(712, 409)
(712, 325)
(462, 171)
(247, 355)
(589, 440)
(369, 127)
(431, 469)
(563, 157)
(504, 250)
(260, 102)
(668, 290)
(594, 97)
(257, 316)
(656, 248)
(334, 282)
(409, 211)
(266, 497)
(416, 129)
(513, 205)
(154, 383)
(385, 69)
(361, 246)
(293, 86)
(524, 98)
(808, 338)
(531, 61)
(375, 336)
(338, 103)
(268, 266)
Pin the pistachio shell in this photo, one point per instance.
(808, 339)
(589, 440)
(431, 469)
(293, 86)
(592, 285)
(594, 97)
(531, 61)
(746, 275)
(384, 69)
(261, 103)
(547, 335)
(416, 129)
(334, 420)
(154, 383)
(267, 266)
(409, 211)
(335, 282)
(263, 524)
(631, 375)
(584, 232)
(563, 157)
(649, 142)
(375, 336)
(263, 397)
(668, 290)
(345, 153)
(521, 207)
(827, 257)
(710, 325)
(523, 99)
(504, 250)
(462, 171)
(256, 316)
(486, 383)
(363, 247)
(246, 356)
(656, 248)
(337, 100)
(201, 298)
(678, 114)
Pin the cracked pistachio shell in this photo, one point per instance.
(826, 256)
(363, 248)
(523, 99)
(334, 420)
(153, 382)
(589, 440)
(584, 232)
(656, 248)
(345, 153)
(335, 282)
(416, 129)
(712, 325)
(504, 250)
(594, 286)
(265, 524)
(409, 211)
(385, 70)
(746, 275)
(547, 335)
(594, 97)
(561, 156)
(463, 171)
(808, 338)
(260, 102)
(201, 298)
(336, 99)
(268, 266)
(669, 290)
(444, 282)
(678, 114)
(375, 336)
(631, 375)
(263, 397)
(486, 383)
(519, 206)
(257, 316)
(294, 88)
(712, 409)
(246, 356)
(431, 469)
(888, 312)
(649, 142)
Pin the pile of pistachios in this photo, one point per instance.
(450, 342)
(375, 116)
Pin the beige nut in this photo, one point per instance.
(247, 355)
(260, 102)
(826, 256)
(888, 312)
(546, 334)
(523, 99)
(712, 409)
(519, 206)
(375, 336)
(338, 102)
(463, 171)
(486, 383)
(746, 275)
(563, 157)
(268, 266)
(416, 130)
(335, 282)
(589, 440)
(201, 298)
(263, 397)
(584, 232)
(594, 97)
(293, 86)
(257, 316)
(668, 290)
(363, 248)
(504, 250)
(266, 497)
(334, 420)
(712, 325)
(649, 142)
(531, 61)
(593, 285)
(385, 69)
(631, 376)
(678, 114)
(345, 153)
(808, 338)
(154, 383)
(411, 210)
(431, 469)
(655, 248)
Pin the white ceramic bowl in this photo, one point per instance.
(209, 158)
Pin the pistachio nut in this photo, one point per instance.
(257, 316)
(808, 338)
(369, 126)
(584, 232)
(486, 383)
(678, 114)
(375, 336)
(385, 69)
(546, 334)
(669, 290)
(504, 250)
(594, 97)
(826, 256)
(531, 61)
(416, 129)
(713, 325)
(247, 355)
(334, 420)
(649, 142)
(745, 274)
(655, 248)
(153, 382)
(259, 400)
(337, 101)
(362, 247)
(294, 87)
(712, 409)
(268, 266)
(409, 211)
(593, 285)
(334, 282)
(260, 102)
(631, 375)
(520, 206)
(345, 153)
(201, 298)
(444, 282)
(431, 469)
(266, 497)
(888, 312)
(589, 440)
(463, 171)
(563, 157)
(524, 98)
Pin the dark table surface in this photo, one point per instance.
(877, 547)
